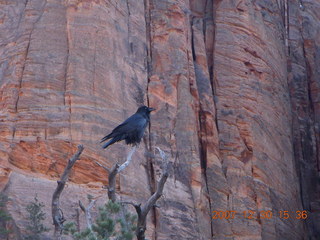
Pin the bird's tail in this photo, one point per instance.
(111, 141)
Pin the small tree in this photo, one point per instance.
(36, 216)
(4, 217)
(112, 223)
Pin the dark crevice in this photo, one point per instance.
(212, 80)
(204, 158)
(203, 154)
(27, 53)
(203, 144)
(201, 112)
(148, 38)
(130, 48)
(94, 69)
(13, 132)
(67, 62)
(212, 17)
(22, 72)
(67, 101)
(205, 20)
(311, 101)
(304, 129)
(192, 40)
(148, 5)
(286, 25)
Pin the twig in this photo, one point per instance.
(86, 211)
(105, 168)
(57, 214)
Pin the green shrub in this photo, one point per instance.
(112, 223)
(36, 216)
(4, 216)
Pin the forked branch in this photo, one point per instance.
(113, 173)
(151, 202)
(57, 214)
(87, 212)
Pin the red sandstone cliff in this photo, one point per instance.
(236, 84)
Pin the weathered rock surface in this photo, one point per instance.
(236, 87)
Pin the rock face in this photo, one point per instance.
(236, 85)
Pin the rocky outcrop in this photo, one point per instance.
(235, 85)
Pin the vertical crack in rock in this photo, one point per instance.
(67, 97)
(150, 168)
(202, 56)
(194, 94)
(201, 115)
(301, 69)
(309, 89)
(94, 68)
(147, 9)
(210, 8)
(129, 28)
(286, 26)
(308, 141)
(27, 52)
(212, 77)
(22, 71)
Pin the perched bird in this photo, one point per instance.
(131, 130)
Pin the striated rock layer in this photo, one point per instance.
(236, 85)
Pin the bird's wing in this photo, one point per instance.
(136, 121)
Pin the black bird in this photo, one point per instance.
(131, 130)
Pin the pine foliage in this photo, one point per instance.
(112, 223)
(36, 216)
(4, 216)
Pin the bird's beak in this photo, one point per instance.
(151, 109)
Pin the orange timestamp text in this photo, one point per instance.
(260, 214)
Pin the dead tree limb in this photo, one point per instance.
(129, 157)
(87, 212)
(113, 173)
(111, 180)
(112, 183)
(143, 211)
(57, 214)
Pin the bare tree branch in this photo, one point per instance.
(86, 211)
(162, 154)
(57, 214)
(136, 206)
(129, 157)
(78, 219)
(131, 203)
(105, 168)
(112, 183)
(151, 202)
(113, 173)
(111, 180)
